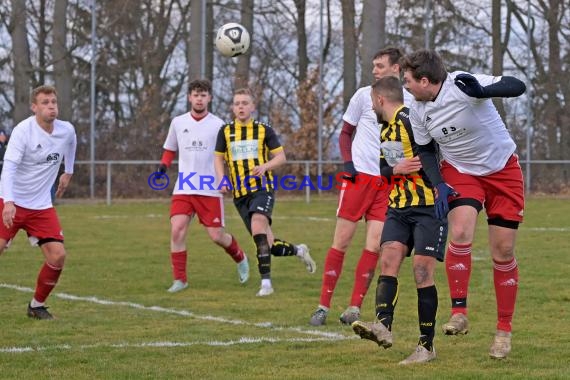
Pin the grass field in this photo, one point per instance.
(116, 321)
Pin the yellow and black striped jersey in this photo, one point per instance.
(245, 146)
(397, 143)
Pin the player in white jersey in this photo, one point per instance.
(479, 169)
(363, 194)
(38, 146)
(193, 135)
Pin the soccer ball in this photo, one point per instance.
(232, 39)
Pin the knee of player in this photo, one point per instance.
(178, 231)
(218, 237)
(423, 274)
(503, 250)
(460, 233)
(56, 257)
(391, 256)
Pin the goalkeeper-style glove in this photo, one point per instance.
(162, 169)
(470, 86)
(350, 171)
(442, 192)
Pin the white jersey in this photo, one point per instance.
(32, 161)
(366, 142)
(408, 98)
(470, 133)
(195, 142)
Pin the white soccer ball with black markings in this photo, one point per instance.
(232, 39)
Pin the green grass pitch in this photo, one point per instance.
(115, 319)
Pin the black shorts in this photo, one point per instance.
(418, 228)
(259, 202)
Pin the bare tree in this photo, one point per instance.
(197, 27)
(373, 36)
(499, 47)
(62, 64)
(302, 54)
(349, 39)
(551, 95)
(22, 64)
(209, 40)
(243, 65)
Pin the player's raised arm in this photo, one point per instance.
(506, 87)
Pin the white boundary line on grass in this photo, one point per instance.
(165, 216)
(217, 343)
(185, 313)
(323, 219)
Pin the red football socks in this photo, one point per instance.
(178, 262)
(458, 268)
(47, 279)
(331, 274)
(235, 251)
(506, 278)
(363, 276)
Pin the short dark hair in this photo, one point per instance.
(390, 87)
(200, 85)
(394, 54)
(425, 63)
(44, 89)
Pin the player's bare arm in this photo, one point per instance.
(8, 214)
(276, 160)
(64, 180)
(408, 165)
(219, 163)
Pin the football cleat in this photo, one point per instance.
(350, 315)
(375, 332)
(304, 255)
(458, 324)
(319, 317)
(243, 270)
(420, 355)
(177, 286)
(265, 291)
(39, 312)
(501, 345)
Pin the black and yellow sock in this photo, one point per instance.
(263, 256)
(427, 310)
(283, 248)
(386, 299)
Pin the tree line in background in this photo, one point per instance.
(148, 50)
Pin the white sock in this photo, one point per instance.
(266, 283)
(35, 303)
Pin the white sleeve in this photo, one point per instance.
(421, 134)
(8, 173)
(15, 148)
(354, 110)
(485, 80)
(69, 154)
(171, 142)
(12, 158)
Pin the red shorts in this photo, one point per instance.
(501, 193)
(38, 224)
(210, 210)
(368, 200)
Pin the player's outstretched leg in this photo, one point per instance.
(374, 331)
(283, 248)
